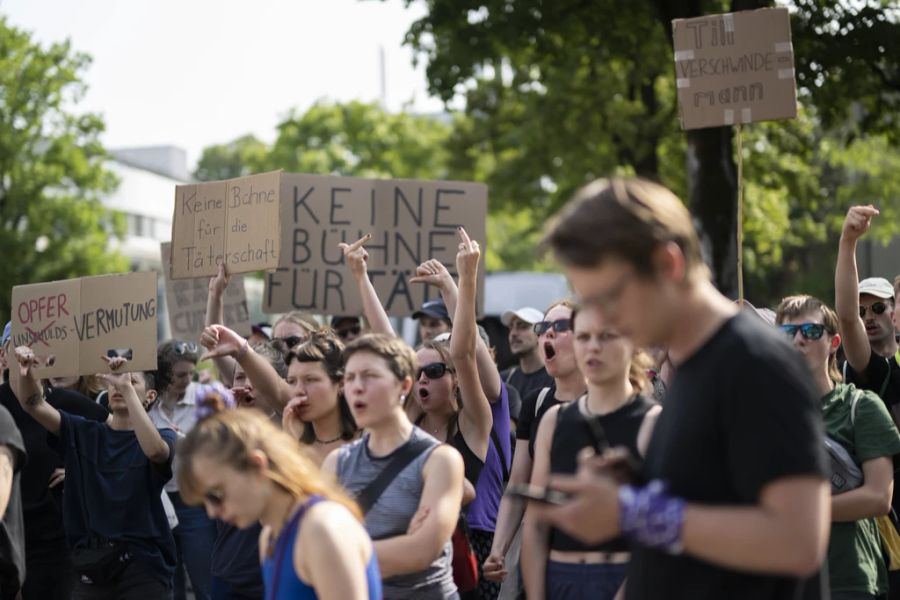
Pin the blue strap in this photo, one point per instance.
(283, 541)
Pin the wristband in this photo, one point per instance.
(651, 516)
(243, 351)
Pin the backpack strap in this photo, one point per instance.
(405, 455)
(540, 400)
(857, 393)
(510, 373)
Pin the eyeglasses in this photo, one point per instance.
(559, 326)
(877, 309)
(185, 348)
(809, 331)
(433, 371)
(214, 497)
(348, 331)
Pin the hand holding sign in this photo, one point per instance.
(220, 341)
(857, 222)
(218, 283)
(356, 256)
(26, 359)
(468, 256)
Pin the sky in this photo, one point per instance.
(192, 73)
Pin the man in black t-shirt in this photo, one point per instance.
(529, 374)
(732, 500)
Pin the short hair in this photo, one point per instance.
(168, 354)
(792, 307)
(626, 218)
(396, 353)
(272, 352)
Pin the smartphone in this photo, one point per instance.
(538, 494)
(125, 353)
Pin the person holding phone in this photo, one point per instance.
(614, 412)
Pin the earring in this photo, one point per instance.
(402, 398)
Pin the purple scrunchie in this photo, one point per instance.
(651, 516)
(212, 398)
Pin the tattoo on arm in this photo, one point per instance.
(34, 399)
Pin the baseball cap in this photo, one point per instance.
(766, 315)
(436, 309)
(877, 286)
(7, 332)
(262, 329)
(526, 313)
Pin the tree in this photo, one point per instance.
(243, 156)
(51, 169)
(561, 92)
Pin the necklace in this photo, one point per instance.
(331, 441)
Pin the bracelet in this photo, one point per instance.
(243, 351)
(651, 516)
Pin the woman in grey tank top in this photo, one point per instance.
(414, 517)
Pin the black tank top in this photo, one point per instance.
(572, 434)
(471, 463)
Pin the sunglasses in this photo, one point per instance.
(433, 371)
(809, 331)
(185, 348)
(877, 309)
(558, 326)
(348, 331)
(289, 341)
(214, 497)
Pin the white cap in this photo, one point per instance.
(876, 286)
(526, 313)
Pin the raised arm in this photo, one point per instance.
(152, 445)
(28, 390)
(434, 272)
(846, 286)
(215, 311)
(356, 256)
(441, 495)
(476, 410)
(270, 387)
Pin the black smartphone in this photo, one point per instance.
(538, 494)
(125, 353)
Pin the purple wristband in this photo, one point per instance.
(651, 516)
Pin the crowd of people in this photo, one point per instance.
(653, 439)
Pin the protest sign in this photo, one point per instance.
(735, 68)
(235, 221)
(410, 221)
(186, 303)
(77, 321)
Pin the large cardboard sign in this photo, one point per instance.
(186, 303)
(77, 321)
(235, 221)
(410, 221)
(735, 68)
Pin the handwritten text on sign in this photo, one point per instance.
(735, 68)
(186, 301)
(78, 320)
(235, 222)
(411, 221)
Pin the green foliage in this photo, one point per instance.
(51, 169)
(243, 156)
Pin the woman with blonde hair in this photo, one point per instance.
(244, 469)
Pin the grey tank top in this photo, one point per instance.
(392, 512)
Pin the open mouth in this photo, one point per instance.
(359, 405)
(423, 393)
(549, 351)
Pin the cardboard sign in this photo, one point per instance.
(186, 303)
(735, 68)
(235, 221)
(77, 321)
(410, 221)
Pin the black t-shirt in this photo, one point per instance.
(526, 383)
(741, 413)
(882, 376)
(12, 529)
(41, 505)
(235, 558)
(528, 421)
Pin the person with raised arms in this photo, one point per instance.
(114, 518)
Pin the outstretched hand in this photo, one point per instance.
(356, 255)
(218, 283)
(468, 256)
(432, 272)
(220, 341)
(857, 221)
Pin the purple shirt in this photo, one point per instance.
(482, 512)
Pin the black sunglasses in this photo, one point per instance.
(432, 371)
(348, 331)
(289, 341)
(877, 309)
(214, 497)
(559, 326)
(810, 331)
